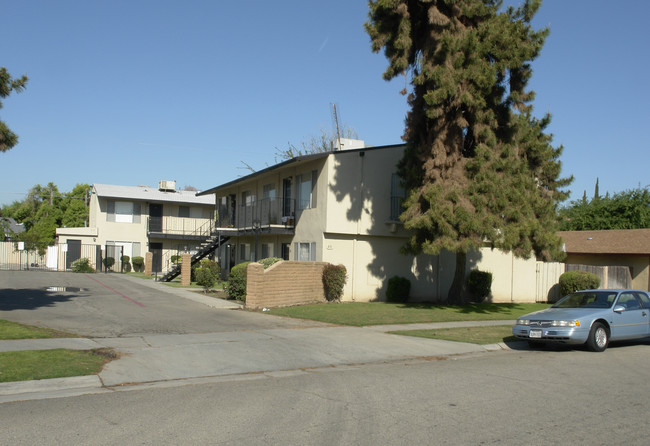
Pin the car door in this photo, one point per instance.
(630, 317)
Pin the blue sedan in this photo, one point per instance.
(592, 317)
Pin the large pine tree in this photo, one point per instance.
(8, 139)
(478, 166)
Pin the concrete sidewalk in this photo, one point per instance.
(152, 360)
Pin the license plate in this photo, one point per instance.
(535, 334)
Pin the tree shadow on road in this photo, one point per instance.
(32, 298)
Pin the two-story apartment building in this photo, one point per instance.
(340, 207)
(133, 220)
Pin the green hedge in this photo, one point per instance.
(138, 263)
(572, 281)
(82, 265)
(398, 290)
(236, 288)
(334, 278)
(479, 284)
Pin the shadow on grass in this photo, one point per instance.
(469, 308)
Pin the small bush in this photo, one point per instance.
(126, 266)
(108, 262)
(572, 281)
(236, 288)
(399, 289)
(269, 261)
(138, 263)
(82, 266)
(205, 277)
(176, 260)
(479, 284)
(212, 266)
(334, 278)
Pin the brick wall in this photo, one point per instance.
(284, 283)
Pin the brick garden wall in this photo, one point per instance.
(284, 283)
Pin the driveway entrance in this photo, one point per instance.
(115, 305)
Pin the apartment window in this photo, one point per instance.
(184, 211)
(268, 192)
(397, 195)
(122, 211)
(267, 250)
(305, 252)
(244, 252)
(306, 190)
(247, 198)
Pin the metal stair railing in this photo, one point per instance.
(207, 246)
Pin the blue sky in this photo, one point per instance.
(133, 92)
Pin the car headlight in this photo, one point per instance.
(523, 322)
(574, 323)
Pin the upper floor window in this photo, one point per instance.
(122, 211)
(397, 195)
(184, 211)
(306, 190)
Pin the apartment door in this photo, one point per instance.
(156, 261)
(74, 252)
(286, 197)
(155, 217)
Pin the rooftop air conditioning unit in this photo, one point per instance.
(168, 186)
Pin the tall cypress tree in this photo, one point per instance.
(478, 166)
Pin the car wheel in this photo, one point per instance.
(598, 337)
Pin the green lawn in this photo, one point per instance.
(475, 335)
(13, 330)
(46, 364)
(380, 313)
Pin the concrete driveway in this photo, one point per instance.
(117, 305)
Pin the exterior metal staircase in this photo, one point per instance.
(207, 247)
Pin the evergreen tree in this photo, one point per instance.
(629, 209)
(8, 139)
(478, 166)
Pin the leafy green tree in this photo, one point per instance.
(478, 166)
(9, 139)
(629, 209)
(46, 209)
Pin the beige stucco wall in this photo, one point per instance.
(639, 266)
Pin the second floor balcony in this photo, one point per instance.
(183, 228)
(271, 213)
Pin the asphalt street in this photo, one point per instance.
(553, 396)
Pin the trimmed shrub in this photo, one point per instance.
(269, 261)
(399, 289)
(236, 288)
(138, 263)
(334, 278)
(126, 266)
(82, 265)
(176, 260)
(572, 281)
(479, 284)
(108, 262)
(205, 277)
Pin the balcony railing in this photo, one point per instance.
(181, 226)
(268, 212)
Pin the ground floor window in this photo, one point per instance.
(285, 251)
(267, 250)
(244, 252)
(305, 252)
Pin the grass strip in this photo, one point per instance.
(473, 335)
(46, 364)
(12, 330)
(380, 313)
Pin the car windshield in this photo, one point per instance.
(591, 299)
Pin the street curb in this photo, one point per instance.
(49, 385)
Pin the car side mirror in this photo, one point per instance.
(619, 309)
